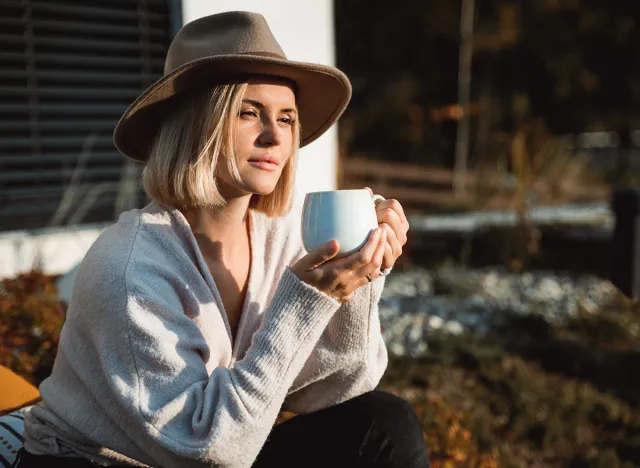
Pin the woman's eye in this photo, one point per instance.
(287, 120)
(248, 113)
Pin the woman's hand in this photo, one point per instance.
(340, 278)
(391, 218)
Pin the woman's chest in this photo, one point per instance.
(244, 311)
(232, 283)
(241, 294)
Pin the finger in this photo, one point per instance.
(397, 207)
(363, 256)
(390, 217)
(379, 255)
(393, 250)
(321, 255)
(373, 268)
(392, 240)
(388, 260)
(370, 191)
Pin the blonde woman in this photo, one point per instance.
(197, 319)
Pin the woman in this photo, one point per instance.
(196, 320)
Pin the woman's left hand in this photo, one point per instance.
(391, 217)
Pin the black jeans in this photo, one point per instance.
(374, 430)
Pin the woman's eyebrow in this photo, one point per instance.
(259, 105)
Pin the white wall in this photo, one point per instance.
(304, 29)
(54, 250)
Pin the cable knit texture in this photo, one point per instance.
(147, 372)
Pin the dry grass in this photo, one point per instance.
(31, 317)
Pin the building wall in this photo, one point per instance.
(305, 31)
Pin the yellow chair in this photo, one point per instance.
(15, 392)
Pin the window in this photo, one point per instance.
(68, 70)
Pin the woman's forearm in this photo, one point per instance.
(349, 358)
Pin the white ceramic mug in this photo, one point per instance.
(348, 216)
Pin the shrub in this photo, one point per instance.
(31, 318)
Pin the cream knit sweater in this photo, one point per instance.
(147, 373)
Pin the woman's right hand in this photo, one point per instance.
(340, 278)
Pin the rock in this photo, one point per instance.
(453, 327)
(435, 322)
(417, 282)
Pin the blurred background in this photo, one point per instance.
(508, 130)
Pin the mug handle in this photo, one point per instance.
(377, 199)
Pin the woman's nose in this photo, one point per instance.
(271, 134)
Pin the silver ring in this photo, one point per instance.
(369, 278)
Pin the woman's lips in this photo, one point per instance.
(264, 164)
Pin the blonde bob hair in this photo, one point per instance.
(193, 142)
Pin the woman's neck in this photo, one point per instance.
(221, 232)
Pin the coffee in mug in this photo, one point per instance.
(348, 216)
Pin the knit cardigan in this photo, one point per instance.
(147, 372)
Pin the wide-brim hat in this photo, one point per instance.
(215, 48)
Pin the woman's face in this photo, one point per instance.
(264, 135)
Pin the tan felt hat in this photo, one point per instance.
(223, 46)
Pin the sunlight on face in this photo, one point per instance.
(264, 133)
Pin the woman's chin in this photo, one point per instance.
(262, 193)
(260, 189)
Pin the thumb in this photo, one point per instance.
(321, 255)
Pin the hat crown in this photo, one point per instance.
(230, 33)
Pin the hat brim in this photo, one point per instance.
(322, 94)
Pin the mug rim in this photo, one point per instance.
(343, 190)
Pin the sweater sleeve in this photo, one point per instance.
(348, 360)
(163, 396)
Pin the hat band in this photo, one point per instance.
(265, 54)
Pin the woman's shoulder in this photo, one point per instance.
(117, 240)
(140, 239)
